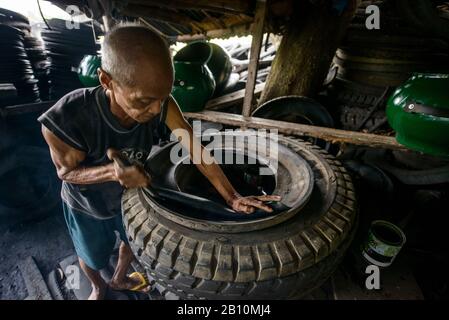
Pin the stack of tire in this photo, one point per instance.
(40, 63)
(239, 53)
(369, 61)
(29, 187)
(66, 48)
(15, 65)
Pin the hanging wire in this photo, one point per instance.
(42, 15)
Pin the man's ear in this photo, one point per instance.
(105, 78)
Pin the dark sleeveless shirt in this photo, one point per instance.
(83, 120)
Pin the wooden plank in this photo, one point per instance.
(289, 128)
(231, 98)
(256, 45)
(34, 282)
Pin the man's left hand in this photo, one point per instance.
(250, 204)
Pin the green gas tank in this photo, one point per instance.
(87, 70)
(194, 83)
(419, 113)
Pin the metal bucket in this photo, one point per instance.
(383, 243)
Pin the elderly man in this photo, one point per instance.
(124, 113)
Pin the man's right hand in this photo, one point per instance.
(132, 176)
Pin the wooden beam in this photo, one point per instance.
(256, 45)
(149, 25)
(227, 21)
(231, 98)
(208, 25)
(155, 13)
(191, 37)
(289, 128)
(236, 6)
(107, 23)
(236, 30)
(215, 21)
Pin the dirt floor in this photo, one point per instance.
(46, 240)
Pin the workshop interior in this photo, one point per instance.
(351, 96)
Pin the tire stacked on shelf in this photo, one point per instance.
(15, 20)
(370, 61)
(40, 63)
(66, 48)
(239, 52)
(15, 66)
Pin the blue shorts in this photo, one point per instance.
(94, 239)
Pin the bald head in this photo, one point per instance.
(133, 52)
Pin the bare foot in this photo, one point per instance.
(127, 283)
(98, 293)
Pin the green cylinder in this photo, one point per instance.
(419, 113)
(214, 56)
(220, 65)
(194, 85)
(87, 70)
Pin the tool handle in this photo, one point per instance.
(115, 156)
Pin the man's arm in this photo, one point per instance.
(211, 170)
(67, 162)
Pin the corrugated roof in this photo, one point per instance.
(175, 18)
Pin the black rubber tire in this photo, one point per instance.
(411, 54)
(376, 39)
(437, 175)
(283, 261)
(351, 117)
(297, 109)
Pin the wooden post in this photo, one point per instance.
(307, 47)
(107, 23)
(256, 45)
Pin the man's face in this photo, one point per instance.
(143, 100)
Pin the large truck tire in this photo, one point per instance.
(280, 256)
